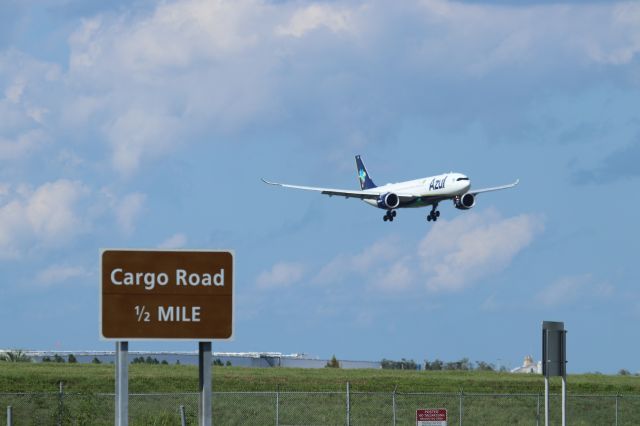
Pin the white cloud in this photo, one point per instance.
(56, 274)
(13, 93)
(619, 43)
(47, 215)
(316, 16)
(282, 274)
(149, 79)
(170, 73)
(379, 254)
(175, 241)
(24, 113)
(490, 304)
(50, 210)
(399, 276)
(569, 289)
(498, 35)
(456, 253)
(128, 210)
(136, 133)
(452, 256)
(22, 145)
(154, 78)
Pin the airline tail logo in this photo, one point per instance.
(363, 175)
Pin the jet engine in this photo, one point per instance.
(388, 201)
(465, 202)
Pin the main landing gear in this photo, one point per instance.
(389, 215)
(434, 214)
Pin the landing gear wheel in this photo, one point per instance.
(429, 218)
(389, 215)
(438, 213)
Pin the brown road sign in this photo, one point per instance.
(172, 294)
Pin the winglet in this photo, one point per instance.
(268, 182)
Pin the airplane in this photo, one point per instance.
(428, 191)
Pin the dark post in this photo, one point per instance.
(204, 369)
(554, 362)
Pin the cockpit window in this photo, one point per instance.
(462, 178)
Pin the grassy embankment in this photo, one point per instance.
(85, 403)
(91, 378)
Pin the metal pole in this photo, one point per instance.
(564, 400)
(122, 384)
(546, 401)
(204, 368)
(183, 416)
(9, 416)
(461, 406)
(60, 403)
(277, 405)
(394, 405)
(348, 406)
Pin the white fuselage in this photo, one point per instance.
(430, 189)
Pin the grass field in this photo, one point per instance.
(144, 378)
(310, 397)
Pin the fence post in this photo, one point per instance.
(183, 416)
(277, 405)
(348, 405)
(394, 405)
(538, 411)
(9, 416)
(60, 403)
(461, 404)
(617, 395)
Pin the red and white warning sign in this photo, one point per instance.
(431, 417)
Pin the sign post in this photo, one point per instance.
(554, 362)
(204, 373)
(165, 295)
(122, 384)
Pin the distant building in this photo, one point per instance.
(528, 366)
(241, 359)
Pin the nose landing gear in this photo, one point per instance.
(389, 215)
(434, 214)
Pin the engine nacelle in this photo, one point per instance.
(465, 202)
(388, 201)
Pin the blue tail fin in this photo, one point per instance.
(365, 180)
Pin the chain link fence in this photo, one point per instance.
(318, 408)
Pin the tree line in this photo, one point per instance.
(463, 364)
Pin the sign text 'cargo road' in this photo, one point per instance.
(157, 294)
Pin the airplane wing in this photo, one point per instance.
(495, 188)
(330, 191)
(370, 194)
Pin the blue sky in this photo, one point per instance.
(149, 124)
